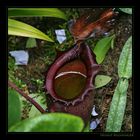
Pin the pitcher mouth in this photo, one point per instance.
(71, 76)
(70, 80)
(70, 72)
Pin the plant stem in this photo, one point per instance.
(12, 85)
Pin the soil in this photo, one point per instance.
(41, 57)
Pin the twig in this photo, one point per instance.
(12, 85)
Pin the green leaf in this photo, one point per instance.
(117, 108)
(31, 42)
(34, 111)
(51, 122)
(21, 29)
(101, 80)
(112, 42)
(14, 107)
(102, 48)
(47, 12)
(125, 60)
(126, 10)
(87, 128)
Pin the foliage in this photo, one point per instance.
(126, 10)
(40, 100)
(118, 104)
(14, 107)
(117, 108)
(31, 42)
(52, 122)
(30, 12)
(60, 122)
(101, 80)
(87, 128)
(21, 29)
(125, 61)
(102, 48)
